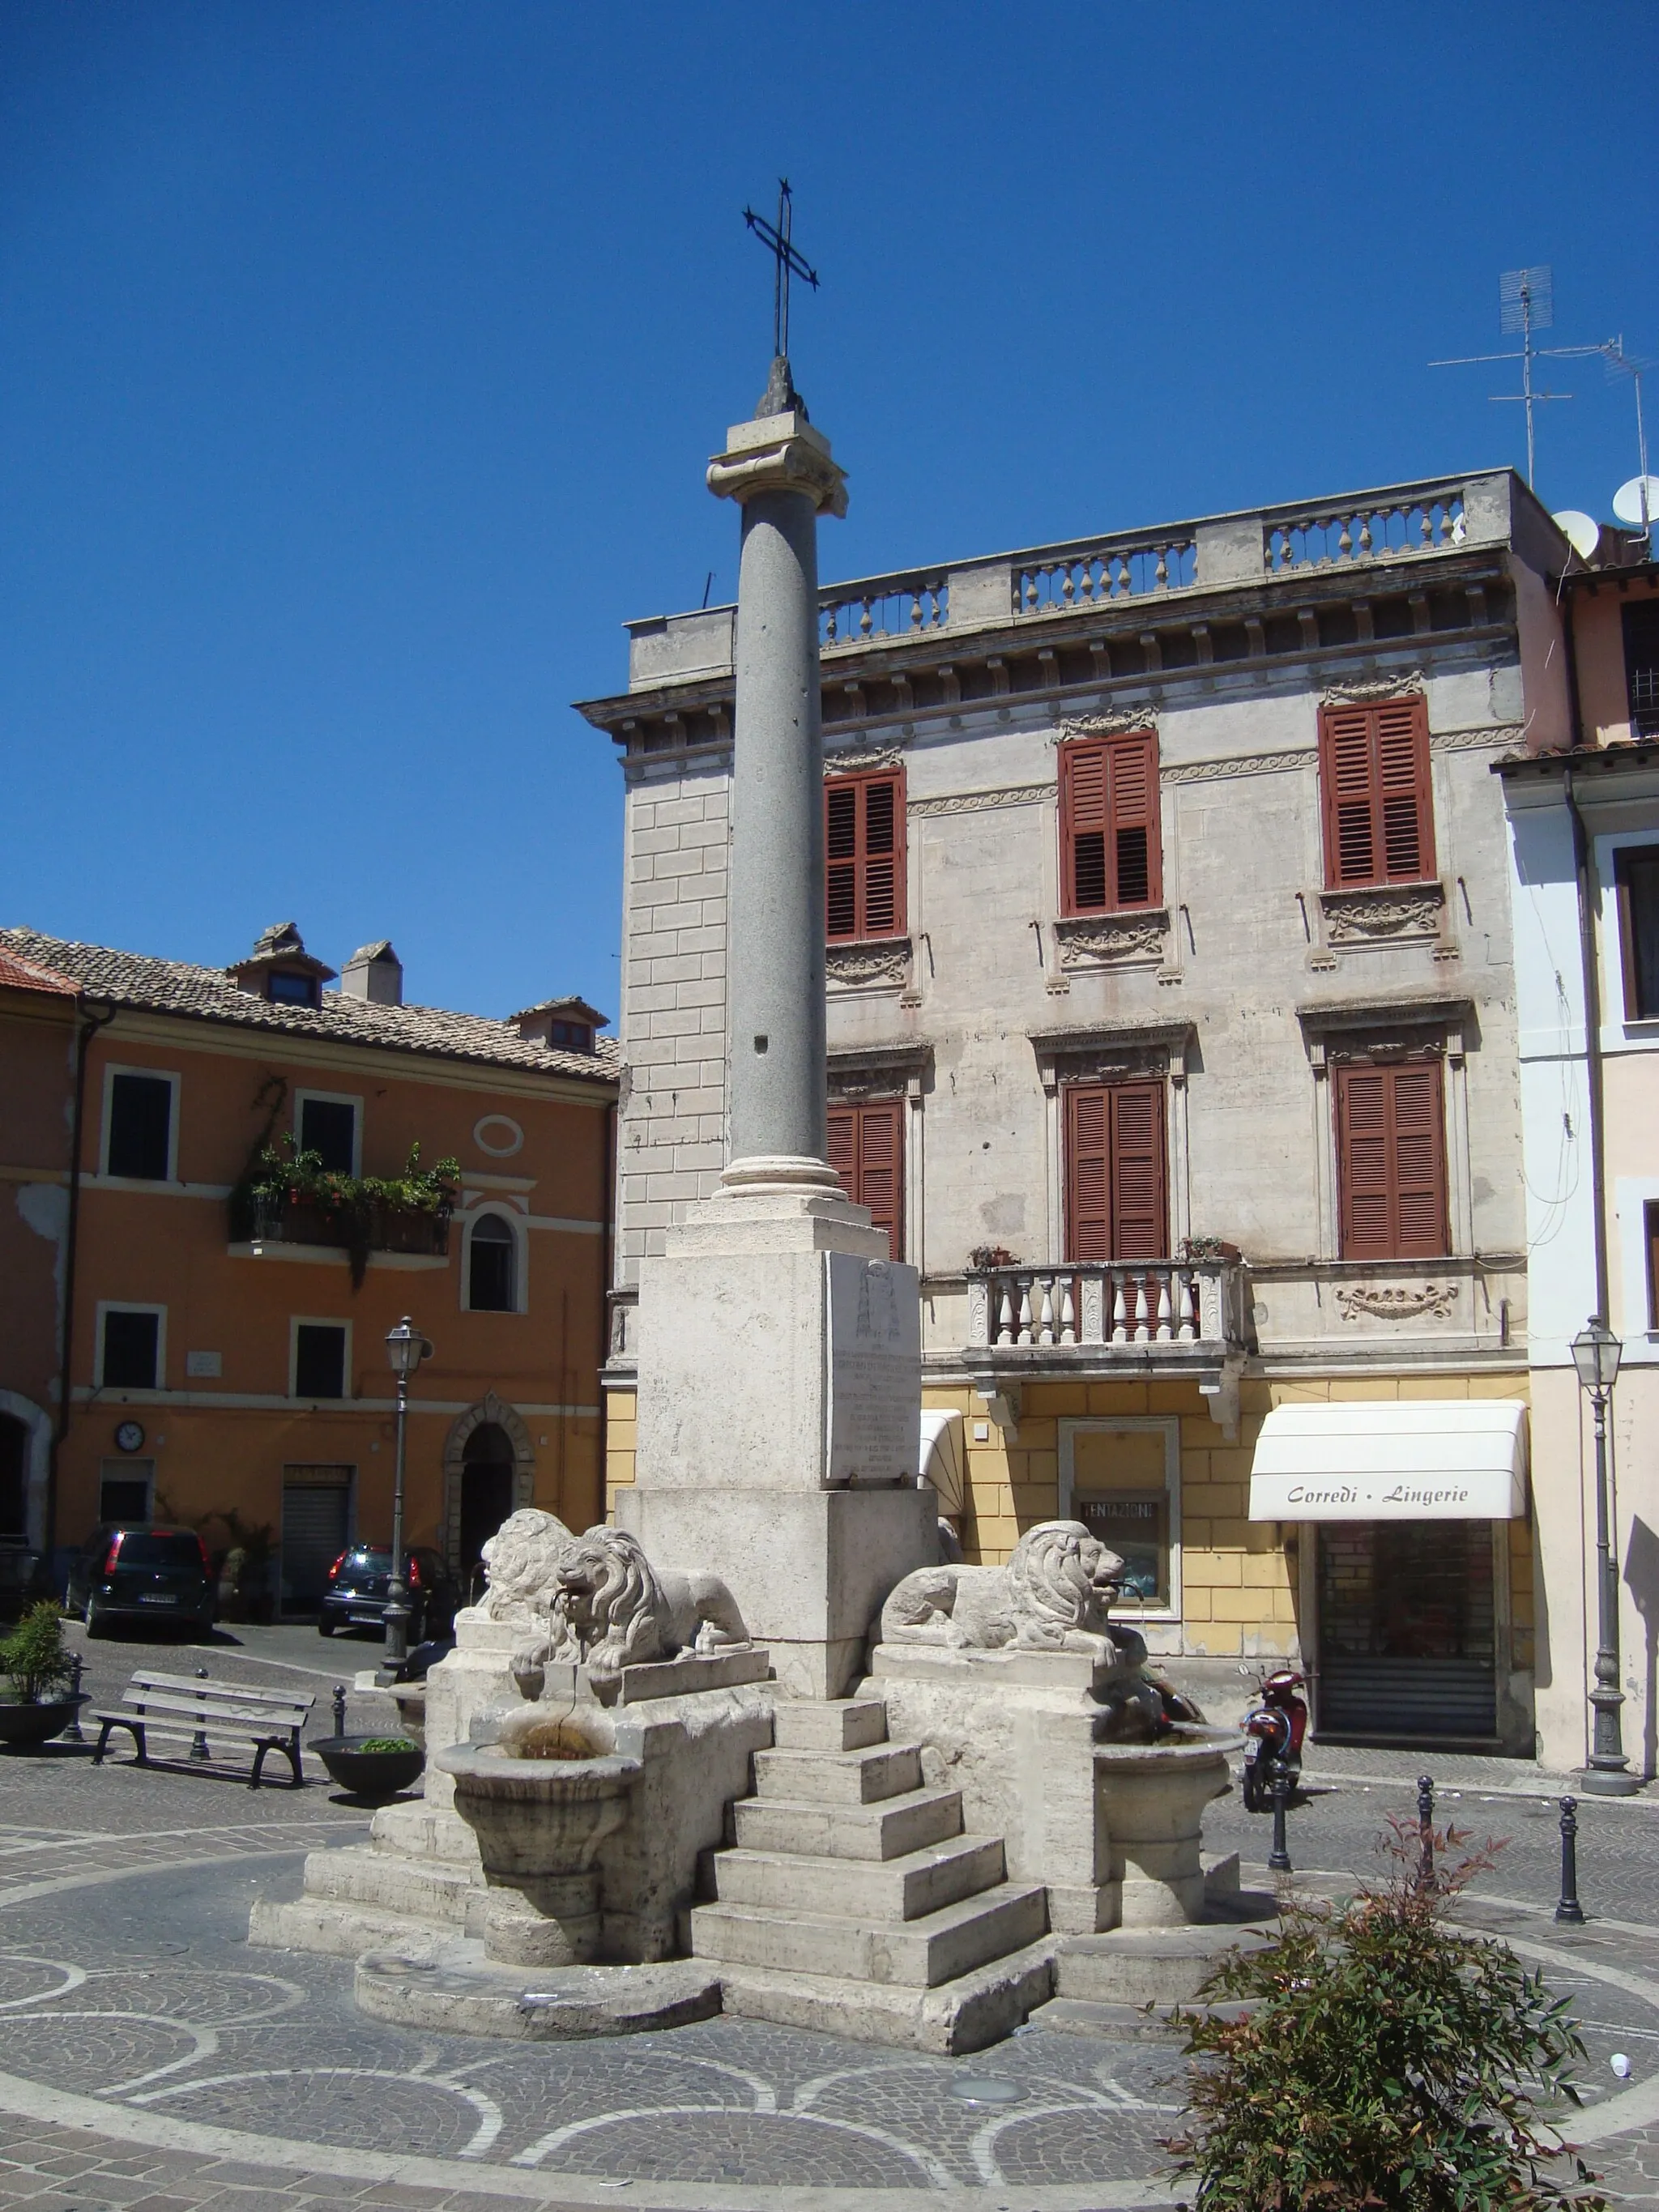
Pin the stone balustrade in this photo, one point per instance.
(882, 607)
(1116, 568)
(1329, 537)
(1107, 1305)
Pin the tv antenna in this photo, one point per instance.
(786, 261)
(1526, 305)
(1641, 504)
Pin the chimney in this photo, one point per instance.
(374, 972)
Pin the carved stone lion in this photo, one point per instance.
(1053, 1595)
(520, 1564)
(612, 1609)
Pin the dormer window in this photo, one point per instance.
(573, 1036)
(287, 986)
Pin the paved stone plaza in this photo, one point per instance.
(149, 2057)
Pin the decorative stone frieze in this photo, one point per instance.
(1395, 1301)
(1477, 739)
(884, 966)
(1361, 690)
(1115, 723)
(1217, 771)
(1086, 941)
(1383, 914)
(857, 760)
(982, 802)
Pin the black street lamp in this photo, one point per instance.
(406, 1348)
(1596, 1353)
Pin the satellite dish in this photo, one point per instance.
(1627, 501)
(1580, 531)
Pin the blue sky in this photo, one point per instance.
(361, 358)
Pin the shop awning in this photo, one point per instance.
(1442, 1459)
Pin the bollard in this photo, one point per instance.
(198, 1744)
(72, 1733)
(1570, 1908)
(339, 1708)
(1279, 1859)
(1426, 1830)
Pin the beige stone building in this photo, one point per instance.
(1172, 1036)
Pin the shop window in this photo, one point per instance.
(1391, 1156)
(867, 1150)
(1111, 852)
(863, 856)
(1636, 880)
(1641, 624)
(328, 1127)
(14, 1479)
(131, 1348)
(1121, 1481)
(491, 1255)
(1373, 782)
(1116, 1196)
(319, 1359)
(139, 1134)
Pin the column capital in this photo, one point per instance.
(779, 453)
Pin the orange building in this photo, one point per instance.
(268, 1174)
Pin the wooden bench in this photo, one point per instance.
(185, 1704)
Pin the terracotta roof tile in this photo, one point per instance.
(174, 987)
(26, 975)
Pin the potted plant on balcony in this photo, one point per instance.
(290, 1194)
(36, 1706)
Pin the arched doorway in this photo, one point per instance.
(487, 1473)
(14, 1480)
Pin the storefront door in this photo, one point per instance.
(1408, 1629)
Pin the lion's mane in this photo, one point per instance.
(1052, 1584)
(520, 1563)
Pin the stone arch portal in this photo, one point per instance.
(490, 1412)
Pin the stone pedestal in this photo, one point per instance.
(779, 1415)
(1111, 1830)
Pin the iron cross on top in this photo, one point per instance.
(789, 263)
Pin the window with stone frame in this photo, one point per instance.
(1376, 793)
(1118, 1202)
(867, 1150)
(1391, 1158)
(1111, 852)
(863, 856)
(1636, 880)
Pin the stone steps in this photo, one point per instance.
(387, 1882)
(852, 1902)
(906, 1888)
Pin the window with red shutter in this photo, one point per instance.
(1373, 782)
(867, 1150)
(1391, 1152)
(863, 856)
(1116, 1197)
(1111, 852)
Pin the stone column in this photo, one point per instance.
(779, 1349)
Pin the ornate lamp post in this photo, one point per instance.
(1596, 1353)
(406, 1348)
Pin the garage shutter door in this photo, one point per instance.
(316, 1528)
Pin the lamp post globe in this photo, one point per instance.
(1597, 1352)
(406, 1348)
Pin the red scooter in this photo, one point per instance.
(1275, 1728)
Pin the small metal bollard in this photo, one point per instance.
(72, 1733)
(1426, 1830)
(198, 1742)
(339, 1708)
(1279, 1859)
(1570, 1908)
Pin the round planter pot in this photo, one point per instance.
(368, 1773)
(24, 1727)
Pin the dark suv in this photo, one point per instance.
(356, 1594)
(140, 1571)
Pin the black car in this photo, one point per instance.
(356, 1594)
(142, 1571)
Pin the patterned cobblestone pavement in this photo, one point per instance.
(149, 2058)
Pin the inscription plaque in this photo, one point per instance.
(873, 1399)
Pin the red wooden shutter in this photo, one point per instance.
(1088, 1173)
(1139, 1216)
(863, 856)
(1110, 849)
(1374, 778)
(867, 1150)
(1392, 1159)
(1116, 1205)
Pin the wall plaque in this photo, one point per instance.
(873, 1401)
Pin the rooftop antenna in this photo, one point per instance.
(786, 263)
(1621, 363)
(1526, 305)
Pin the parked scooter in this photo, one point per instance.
(1274, 1728)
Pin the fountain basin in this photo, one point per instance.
(1151, 1799)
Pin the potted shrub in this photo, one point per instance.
(371, 1766)
(36, 1705)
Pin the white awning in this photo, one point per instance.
(1440, 1458)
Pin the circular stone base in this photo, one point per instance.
(455, 1988)
(1148, 1965)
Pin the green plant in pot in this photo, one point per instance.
(36, 1707)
